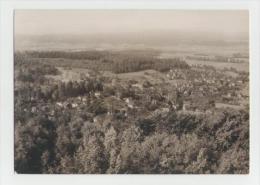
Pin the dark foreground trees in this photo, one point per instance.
(177, 143)
(34, 145)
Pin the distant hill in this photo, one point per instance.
(125, 40)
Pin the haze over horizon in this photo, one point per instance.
(148, 27)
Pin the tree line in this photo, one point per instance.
(106, 61)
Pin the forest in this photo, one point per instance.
(83, 127)
(117, 62)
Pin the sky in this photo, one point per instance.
(79, 22)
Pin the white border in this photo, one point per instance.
(6, 95)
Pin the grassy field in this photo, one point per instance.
(225, 105)
(225, 51)
(221, 65)
(73, 74)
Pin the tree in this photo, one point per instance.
(91, 157)
(31, 141)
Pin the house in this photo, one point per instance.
(139, 86)
(34, 109)
(59, 104)
(74, 105)
(95, 119)
(52, 113)
(130, 102)
(186, 105)
(97, 94)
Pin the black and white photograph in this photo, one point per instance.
(131, 91)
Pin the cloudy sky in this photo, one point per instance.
(48, 22)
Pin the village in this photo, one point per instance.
(200, 90)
